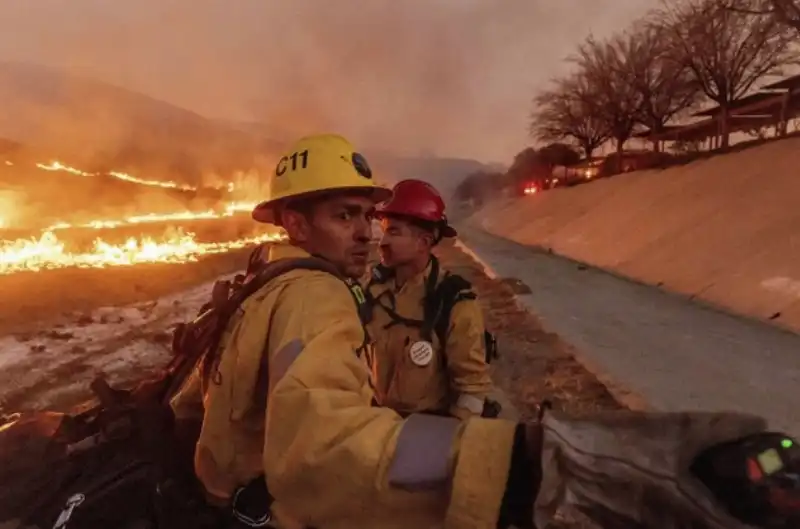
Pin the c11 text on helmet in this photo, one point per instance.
(283, 163)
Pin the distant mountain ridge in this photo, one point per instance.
(96, 124)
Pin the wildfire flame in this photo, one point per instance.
(48, 252)
(58, 166)
(230, 210)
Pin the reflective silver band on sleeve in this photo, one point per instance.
(283, 360)
(470, 403)
(422, 456)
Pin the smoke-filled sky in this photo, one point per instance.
(450, 77)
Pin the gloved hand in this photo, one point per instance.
(631, 470)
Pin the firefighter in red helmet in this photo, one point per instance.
(431, 347)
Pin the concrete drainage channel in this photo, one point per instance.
(621, 392)
(520, 290)
(672, 354)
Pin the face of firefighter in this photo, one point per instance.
(337, 227)
(403, 243)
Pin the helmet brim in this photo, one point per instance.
(449, 231)
(265, 211)
(446, 230)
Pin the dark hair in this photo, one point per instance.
(434, 228)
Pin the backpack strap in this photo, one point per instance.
(360, 298)
(452, 290)
(426, 329)
(261, 274)
(439, 305)
(379, 275)
(430, 309)
(282, 266)
(274, 269)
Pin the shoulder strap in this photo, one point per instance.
(379, 275)
(430, 305)
(258, 276)
(441, 299)
(360, 297)
(274, 269)
(282, 266)
(452, 289)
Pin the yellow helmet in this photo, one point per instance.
(315, 164)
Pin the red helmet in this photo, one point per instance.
(417, 200)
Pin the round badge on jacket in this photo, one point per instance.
(421, 353)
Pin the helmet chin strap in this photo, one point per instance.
(437, 235)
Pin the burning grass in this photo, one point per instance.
(53, 195)
(31, 300)
(100, 241)
(177, 246)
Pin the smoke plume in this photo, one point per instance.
(451, 77)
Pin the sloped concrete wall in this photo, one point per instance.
(726, 229)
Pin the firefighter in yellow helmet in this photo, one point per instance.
(332, 457)
(430, 342)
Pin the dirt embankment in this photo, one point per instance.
(725, 229)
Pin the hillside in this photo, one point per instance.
(725, 229)
(97, 125)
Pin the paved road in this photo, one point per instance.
(676, 354)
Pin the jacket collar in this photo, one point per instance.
(286, 251)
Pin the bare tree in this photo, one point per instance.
(615, 103)
(727, 52)
(784, 11)
(663, 85)
(564, 112)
